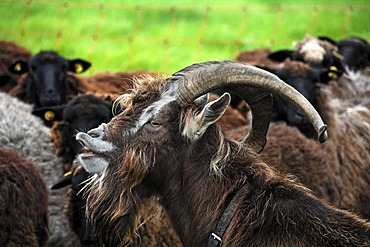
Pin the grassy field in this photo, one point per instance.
(165, 37)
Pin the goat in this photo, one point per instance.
(9, 53)
(24, 133)
(165, 144)
(47, 82)
(83, 113)
(23, 202)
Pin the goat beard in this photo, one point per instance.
(113, 204)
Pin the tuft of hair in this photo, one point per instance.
(145, 88)
(136, 166)
(314, 49)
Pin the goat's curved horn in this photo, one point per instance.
(254, 85)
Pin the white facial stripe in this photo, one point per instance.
(154, 109)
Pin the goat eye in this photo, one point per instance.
(154, 123)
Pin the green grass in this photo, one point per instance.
(165, 37)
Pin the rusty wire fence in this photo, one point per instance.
(167, 38)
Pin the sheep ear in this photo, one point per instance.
(67, 180)
(78, 65)
(211, 113)
(49, 114)
(325, 38)
(280, 56)
(333, 73)
(18, 67)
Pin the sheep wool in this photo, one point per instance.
(25, 133)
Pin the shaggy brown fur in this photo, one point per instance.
(347, 88)
(256, 57)
(23, 202)
(232, 118)
(315, 51)
(290, 152)
(276, 210)
(348, 147)
(110, 85)
(155, 229)
(338, 170)
(9, 53)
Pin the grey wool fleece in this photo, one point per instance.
(26, 134)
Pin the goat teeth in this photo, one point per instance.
(82, 143)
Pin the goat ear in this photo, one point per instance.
(280, 56)
(202, 100)
(19, 67)
(49, 114)
(78, 65)
(211, 113)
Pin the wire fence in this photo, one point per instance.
(170, 29)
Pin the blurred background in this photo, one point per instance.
(165, 36)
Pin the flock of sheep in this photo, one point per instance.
(292, 189)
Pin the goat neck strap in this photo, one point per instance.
(215, 239)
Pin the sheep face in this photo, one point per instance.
(82, 114)
(47, 73)
(356, 53)
(319, 52)
(303, 78)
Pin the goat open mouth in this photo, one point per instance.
(87, 152)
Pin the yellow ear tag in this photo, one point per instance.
(333, 68)
(18, 67)
(338, 56)
(67, 174)
(78, 68)
(333, 75)
(49, 115)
